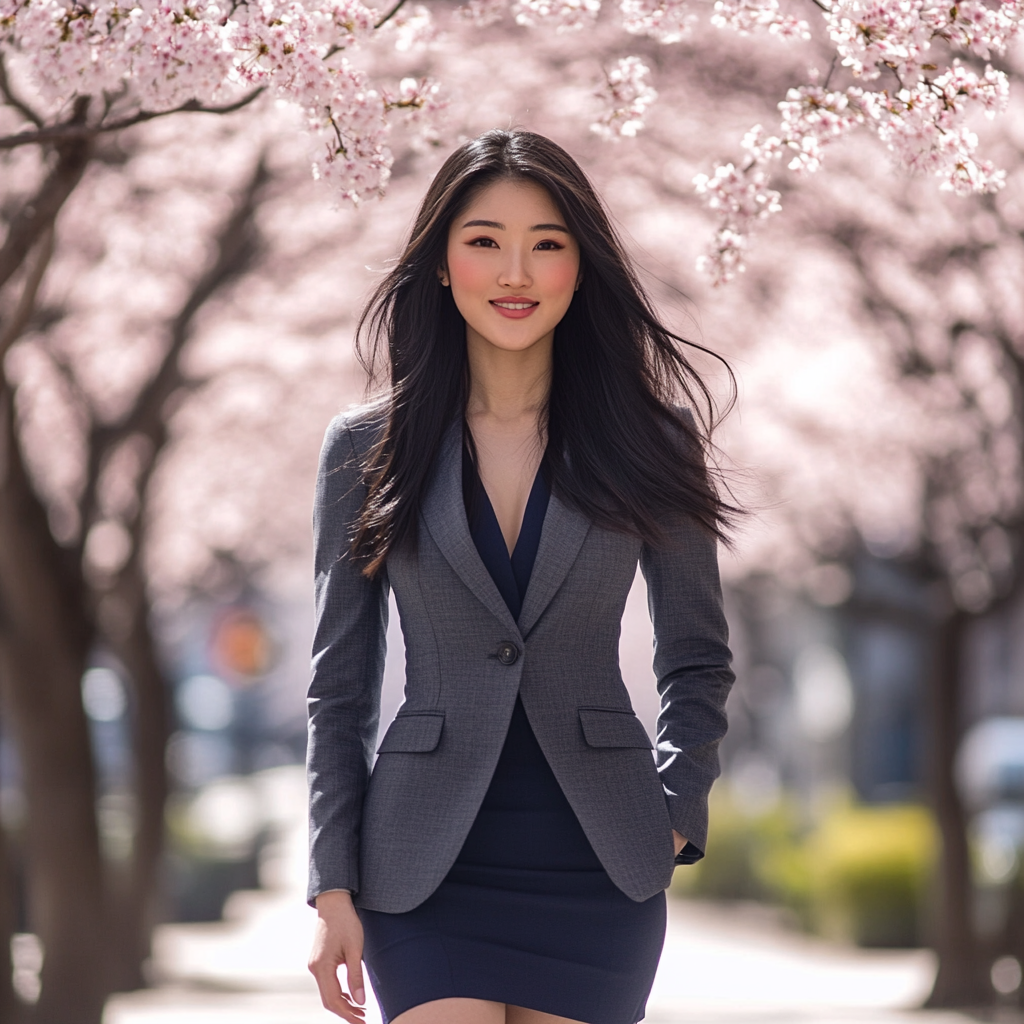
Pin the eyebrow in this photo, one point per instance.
(501, 227)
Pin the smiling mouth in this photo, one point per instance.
(514, 303)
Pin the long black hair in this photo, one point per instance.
(618, 448)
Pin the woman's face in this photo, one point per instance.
(512, 266)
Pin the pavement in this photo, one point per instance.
(721, 965)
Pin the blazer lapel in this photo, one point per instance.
(445, 515)
(560, 541)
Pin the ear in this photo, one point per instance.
(442, 276)
(579, 281)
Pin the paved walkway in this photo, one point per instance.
(720, 966)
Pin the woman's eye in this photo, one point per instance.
(485, 243)
(549, 246)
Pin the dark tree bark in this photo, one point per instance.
(38, 215)
(10, 1007)
(962, 978)
(44, 643)
(124, 613)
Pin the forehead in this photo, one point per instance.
(512, 203)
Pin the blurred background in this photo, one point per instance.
(172, 356)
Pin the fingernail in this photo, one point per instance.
(360, 995)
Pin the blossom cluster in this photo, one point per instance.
(900, 91)
(627, 96)
(664, 20)
(156, 55)
(562, 15)
(748, 16)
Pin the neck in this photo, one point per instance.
(506, 385)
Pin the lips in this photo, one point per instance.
(514, 307)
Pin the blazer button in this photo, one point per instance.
(507, 653)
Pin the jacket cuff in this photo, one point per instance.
(331, 877)
(689, 854)
(689, 817)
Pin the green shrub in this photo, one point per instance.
(737, 847)
(860, 874)
(871, 868)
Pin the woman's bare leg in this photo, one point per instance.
(455, 1011)
(520, 1015)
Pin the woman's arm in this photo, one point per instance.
(691, 663)
(348, 666)
(337, 941)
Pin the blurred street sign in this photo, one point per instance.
(241, 646)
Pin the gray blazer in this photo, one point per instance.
(391, 834)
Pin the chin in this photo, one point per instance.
(513, 344)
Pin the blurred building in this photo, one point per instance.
(830, 684)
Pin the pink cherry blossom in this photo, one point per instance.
(562, 15)
(665, 20)
(905, 84)
(627, 96)
(482, 12)
(747, 16)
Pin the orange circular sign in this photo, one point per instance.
(241, 645)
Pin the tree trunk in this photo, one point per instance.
(962, 978)
(132, 639)
(44, 643)
(10, 1007)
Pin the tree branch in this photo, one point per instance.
(387, 17)
(12, 100)
(38, 215)
(70, 131)
(236, 247)
(11, 331)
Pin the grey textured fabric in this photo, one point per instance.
(392, 834)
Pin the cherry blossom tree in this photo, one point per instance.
(162, 231)
(64, 590)
(938, 292)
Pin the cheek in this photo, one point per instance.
(468, 274)
(560, 278)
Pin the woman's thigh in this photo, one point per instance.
(520, 1015)
(455, 1011)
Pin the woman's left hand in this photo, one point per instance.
(679, 841)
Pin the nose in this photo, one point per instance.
(514, 272)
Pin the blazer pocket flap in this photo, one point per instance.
(415, 733)
(604, 727)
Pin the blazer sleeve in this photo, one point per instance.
(349, 644)
(692, 666)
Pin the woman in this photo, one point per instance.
(507, 857)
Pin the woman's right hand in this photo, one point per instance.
(338, 940)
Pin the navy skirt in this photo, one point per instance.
(526, 916)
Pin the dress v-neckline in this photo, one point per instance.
(510, 572)
(489, 510)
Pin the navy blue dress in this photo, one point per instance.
(527, 915)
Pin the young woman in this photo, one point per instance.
(506, 858)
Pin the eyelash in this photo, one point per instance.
(487, 243)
